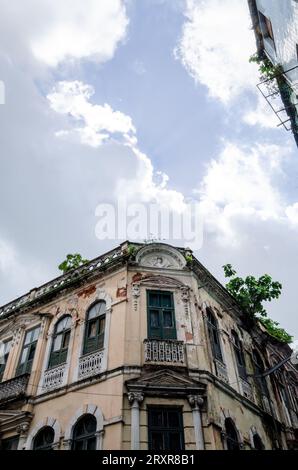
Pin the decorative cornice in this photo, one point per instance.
(73, 277)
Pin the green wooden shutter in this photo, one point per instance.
(161, 315)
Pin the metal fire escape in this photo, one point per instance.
(282, 97)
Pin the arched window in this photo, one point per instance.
(84, 437)
(231, 435)
(239, 355)
(95, 327)
(44, 439)
(60, 342)
(213, 335)
(259, 369)
(258, 443)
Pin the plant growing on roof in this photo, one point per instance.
(72, 261)
(250, 293)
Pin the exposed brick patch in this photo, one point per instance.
(188, 336)
(136, 277)
(87, 292)
(121, 292)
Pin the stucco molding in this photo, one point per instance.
(160, 256)
(84, 410)
(48, 421)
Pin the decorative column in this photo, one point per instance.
(135, 399)
(22, 430)
(99, 438)
(196, 402)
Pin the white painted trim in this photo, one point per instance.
(86, 409)
(100, 295)
(51, 422)
(50, 335)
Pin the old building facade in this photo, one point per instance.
(141, 348)
(275, 24)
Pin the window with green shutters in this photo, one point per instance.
(239, 354)
(95, 327)
(161, 315)
(28, 352)
(4, 353)
(60, 342)
(213, 335)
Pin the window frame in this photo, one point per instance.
(239, 355)
(161, 332)
(44, 446)
(6, 356)
(99, 338)
(213, 332)
(235, 442)
(165, 430)
(86, 437)
(58, 357)
(26, 366)
(266, 29)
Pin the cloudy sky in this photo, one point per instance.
(154, 100)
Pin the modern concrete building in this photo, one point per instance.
(275, 24)
(141, 348)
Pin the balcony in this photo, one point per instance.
(247, 390)
(221, 371)
(170, 352)
(14, 388)
(91, 364)
(54, 378)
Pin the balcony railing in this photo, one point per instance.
(91, 364)
(14, 388)
(54, 378)
(164, 351)
(221, 371)
(247, 390)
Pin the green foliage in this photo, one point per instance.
(131, 250)
(266, 68)
(250, 294)
(273, 329)
(189, 258)
(72, 262)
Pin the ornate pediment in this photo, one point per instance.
(165, 382)
(160, 256)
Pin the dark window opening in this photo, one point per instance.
(231, 435)
(10, 443)
(4, 357)
(266, 28)
(239, 356)
(165, 429)
(161, 315)
(84, 437)
(259, 370)
(213, 335)
(44, 439)
(258, 443)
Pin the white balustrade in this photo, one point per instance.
(91, 364)
(170, 351)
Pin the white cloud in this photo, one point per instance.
(102, 124)
(74, 30)
(292, 214)
(262, 115)
(17, 270)
(216, 44)
(242, 183)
